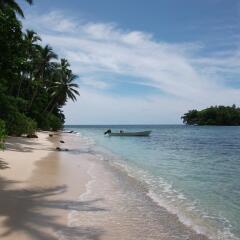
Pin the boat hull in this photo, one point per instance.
(130, 134)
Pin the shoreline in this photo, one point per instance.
(76, 195)
(128, 203)
(39, 186)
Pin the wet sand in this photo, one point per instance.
(46, 194)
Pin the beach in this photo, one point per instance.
(47, 194)
(36, 192)
(119, 121)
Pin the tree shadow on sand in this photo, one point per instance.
(24, 148)
(28, 210)
(25, 144)
(3, 164)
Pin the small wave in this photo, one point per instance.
(175, 202)
(73, 216)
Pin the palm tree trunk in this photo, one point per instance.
(19, 87)
(34, 95)
(52, 108)
(33, 98)
(48, 105)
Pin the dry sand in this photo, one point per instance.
(21, 154)
(39, 186)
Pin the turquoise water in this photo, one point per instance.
(192, 171)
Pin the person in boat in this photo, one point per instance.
(108, 131)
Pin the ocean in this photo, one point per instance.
(191, 171)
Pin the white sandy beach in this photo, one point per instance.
(36, 192)
(21, 155)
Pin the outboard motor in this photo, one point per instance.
(108, 131)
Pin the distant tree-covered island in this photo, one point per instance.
(214, 115)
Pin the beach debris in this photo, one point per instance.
(32, 136)
(62, 141)
(61, 149)
(50, 135)
(109, 131)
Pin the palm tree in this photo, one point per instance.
(13, 5)
(64, 65)
(46, 55)
(64, 89)
(44, 68)
(60, 72)
(30, 40)
(32, 47)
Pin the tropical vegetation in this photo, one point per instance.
(34, 85)
(2, 134)
(218, 115)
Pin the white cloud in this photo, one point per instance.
(96, 49)
(52, 21)
(91, 82)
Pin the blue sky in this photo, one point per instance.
(143, 61)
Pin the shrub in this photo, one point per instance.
(31, 127)
(20, 124)
(54, 123)
(2, 133)
(50, 122)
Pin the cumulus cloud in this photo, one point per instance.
(96, 49)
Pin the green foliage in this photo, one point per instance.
(20, 124)
(51, 122)
(11, 4)
(218, 115)
(10, 42)
(55, 123)
(33, 85)
(2, 133)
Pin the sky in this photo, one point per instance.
(143, 61)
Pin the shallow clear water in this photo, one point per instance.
(192, 171)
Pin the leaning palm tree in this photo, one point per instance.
(67, 89)
(13, 5)
(64, 89)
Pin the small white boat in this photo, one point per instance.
(128, 134)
